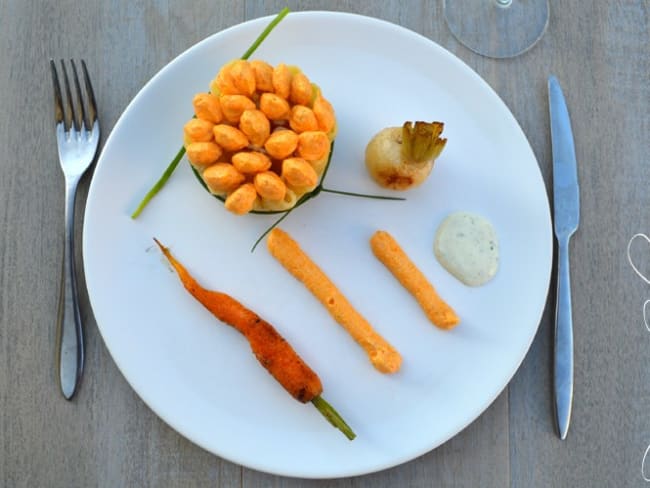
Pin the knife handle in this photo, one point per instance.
(563, 361)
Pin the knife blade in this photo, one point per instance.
(566, 210)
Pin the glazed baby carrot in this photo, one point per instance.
(269, 347)
(382, 355)
(389, 252)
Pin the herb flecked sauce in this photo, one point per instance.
(466, 245)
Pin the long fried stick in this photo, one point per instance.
(389, 252)
(383, 356)
(270, 348)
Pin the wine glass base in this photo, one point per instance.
(497, 28)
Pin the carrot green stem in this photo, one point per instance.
(172, 166)
(333, 416)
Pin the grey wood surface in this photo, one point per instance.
(107, 437)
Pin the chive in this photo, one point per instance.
(160, 183)
(313, 194)
(281, 15)
(271, 227)
(362, 195)
(172, 166)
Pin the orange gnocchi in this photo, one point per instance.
(261, 138)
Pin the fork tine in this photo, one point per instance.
(68, 107)
(80, 115)
(58, 104)
(92, 106)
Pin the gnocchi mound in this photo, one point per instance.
(261, 138)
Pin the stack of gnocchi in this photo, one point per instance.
(261, 137)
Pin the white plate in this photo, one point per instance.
(198, 374)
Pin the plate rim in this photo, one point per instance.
(467, 70)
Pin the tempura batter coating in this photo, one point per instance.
(270, 348)
(382, 355)
(389, 252)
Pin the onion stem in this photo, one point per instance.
(421, 142)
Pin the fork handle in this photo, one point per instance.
(70, 340)
(563, 361)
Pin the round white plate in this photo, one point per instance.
(199, 375)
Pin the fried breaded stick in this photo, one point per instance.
(389, 252)
(270, 348)
(382, 355)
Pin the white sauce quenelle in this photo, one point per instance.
(466, 245)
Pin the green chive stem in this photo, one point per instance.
(273, 226)
(160, 183)
(362, 195)
(281, 15)
(314, 193)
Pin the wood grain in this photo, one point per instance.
(108, 437)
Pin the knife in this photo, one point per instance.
(566, 204)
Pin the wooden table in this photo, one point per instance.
(600, 51)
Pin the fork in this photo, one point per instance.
(77, 134)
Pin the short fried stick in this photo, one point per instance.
(389, 252)
(382, 355)
(270, 348)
